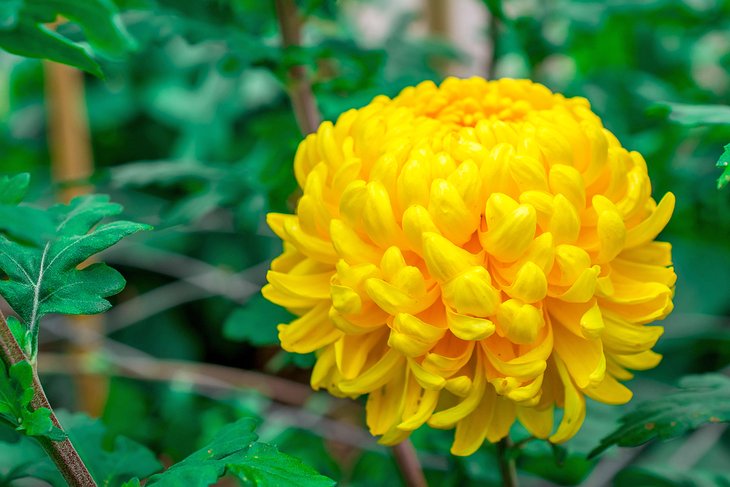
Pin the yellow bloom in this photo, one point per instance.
(470, 254)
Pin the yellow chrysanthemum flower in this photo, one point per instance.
(470, 254)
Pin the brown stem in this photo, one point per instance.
(506, 463)
(300, 89)
(408, 464)
(63, 453)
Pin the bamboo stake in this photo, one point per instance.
(72, 166)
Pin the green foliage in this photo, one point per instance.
(255, 322)
(16, 395)
(21, 222)
(111, 459)
(235, 451)
(22, 31)
(699, 400)
(724, 163)
(46, 279)
(25, 459)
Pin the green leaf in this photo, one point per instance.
(24, 223)
(255, 322)
(233, 450)
(700, 399)
(48, 279)
(28, 39)
(16, 394)
(693, 115)
(13, 189)
(110, 460)
(22, 31)
(724, 162)
(99, 19)
(21, 333)
(207, 465)
(265, 466)
(23, 459)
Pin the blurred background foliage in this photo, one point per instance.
(193, 132)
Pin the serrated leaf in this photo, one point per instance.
(265, 466)
(47, 279)
(109, 465)
(700, 399)
(16, 394)
(21, 222)
(724, 162)
(207, 465)
(233, 450)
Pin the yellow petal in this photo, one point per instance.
(468, 327)
(574, 409)
(472, 293)
(378, 218)
(530, 285)
(568, 182)
(450, 213)
(639, 361)
(611, 235)
(444, 259)
(427, 404)
(384, 405)
(345, 299)
(459, 386)
(610, 391)
(583, 358)
(449, 417)
(519, 322)
(650, 228)
(416, 223)
(314, 286)
(502, 419)
(538, 421)
(351, 352)
(310, 332)
(471, 430)
(565, 221)
(413, 183)
(427, 380)
(508, 239)
(591, 323)
(374, 377)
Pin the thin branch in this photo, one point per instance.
(300, 88)
(408, 464)
(506, 463)
(63, 453)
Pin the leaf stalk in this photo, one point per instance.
(63, 453)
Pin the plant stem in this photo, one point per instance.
(63, 453)
(408, 464)
(300, 89)
(506, 463)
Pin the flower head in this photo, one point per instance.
(470, 254)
